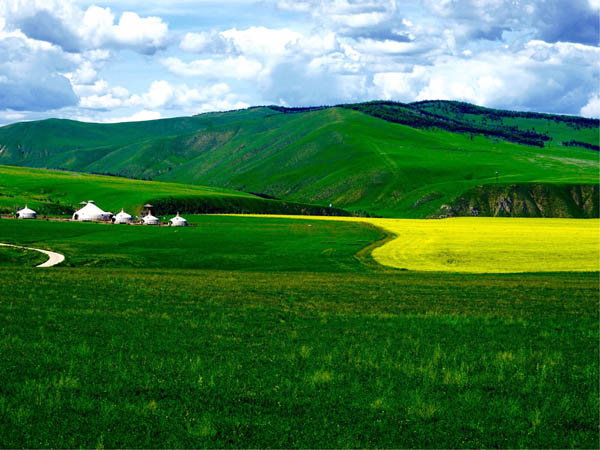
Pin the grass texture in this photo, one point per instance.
(213, 242)
(245, 332)
(96, 357)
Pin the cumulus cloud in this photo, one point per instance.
(138, 116)
(238, 68)
(546, 77)
(499, 53)
(592, 107)
(162, 94)
(105, 102)
(551, 20)
(63, 23)
(145, 35)
(407, 61)
(344, 14)
(30, 74)
(264, 44)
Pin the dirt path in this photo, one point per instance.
(53, 257)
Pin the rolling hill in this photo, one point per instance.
(401, 160)
(52, 192)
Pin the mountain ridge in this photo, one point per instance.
(380, 157)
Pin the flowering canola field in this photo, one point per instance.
(491, 244)
(488, 244)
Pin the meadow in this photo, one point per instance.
(223, 242)
(484, 244)
(279, 332)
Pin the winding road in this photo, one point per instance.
(53, 257)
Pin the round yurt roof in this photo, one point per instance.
(150, 218)
(26, 210)
(91, 210)
(177, 218)
(123, 215)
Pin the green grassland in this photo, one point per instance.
(52, 192)
(11, 256)
(59, 191)
(388, 159)
(212, 242)
(261, 332)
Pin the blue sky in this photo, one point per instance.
(113, 60)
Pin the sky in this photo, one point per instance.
(111, 61)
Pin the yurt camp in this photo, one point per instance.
(149, 219)
(91, 213)
(123, 217)
(178, 221)
(26, 213)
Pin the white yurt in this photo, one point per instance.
(91, 213)
(178, 221)
(149, 219)
(123, 217)
(26, 213)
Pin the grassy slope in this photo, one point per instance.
(333, 155)
(303, 348)
(57, 191)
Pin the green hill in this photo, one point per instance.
(390, 159)
(52, 192)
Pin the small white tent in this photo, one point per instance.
(26, 213)
(123, 217)
(90, 212)
(178, 221)
(149, 219)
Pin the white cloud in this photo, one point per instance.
(31, 74)
(148, 33)
(591, 108)
(64, 23)
(549, 20)
(159, 94)
(399, 86)
(499, 53)
(11, 116)
(196, 42)
(261, 41)
(254, 42)
(238, 68)
(85, 74)
(162, 94)
(105, 102)
(542, 76)
(344, 14)
(139, 116)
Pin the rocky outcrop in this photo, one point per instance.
(526, 200)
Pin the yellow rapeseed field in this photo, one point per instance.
(488, 244)
(491, 244)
